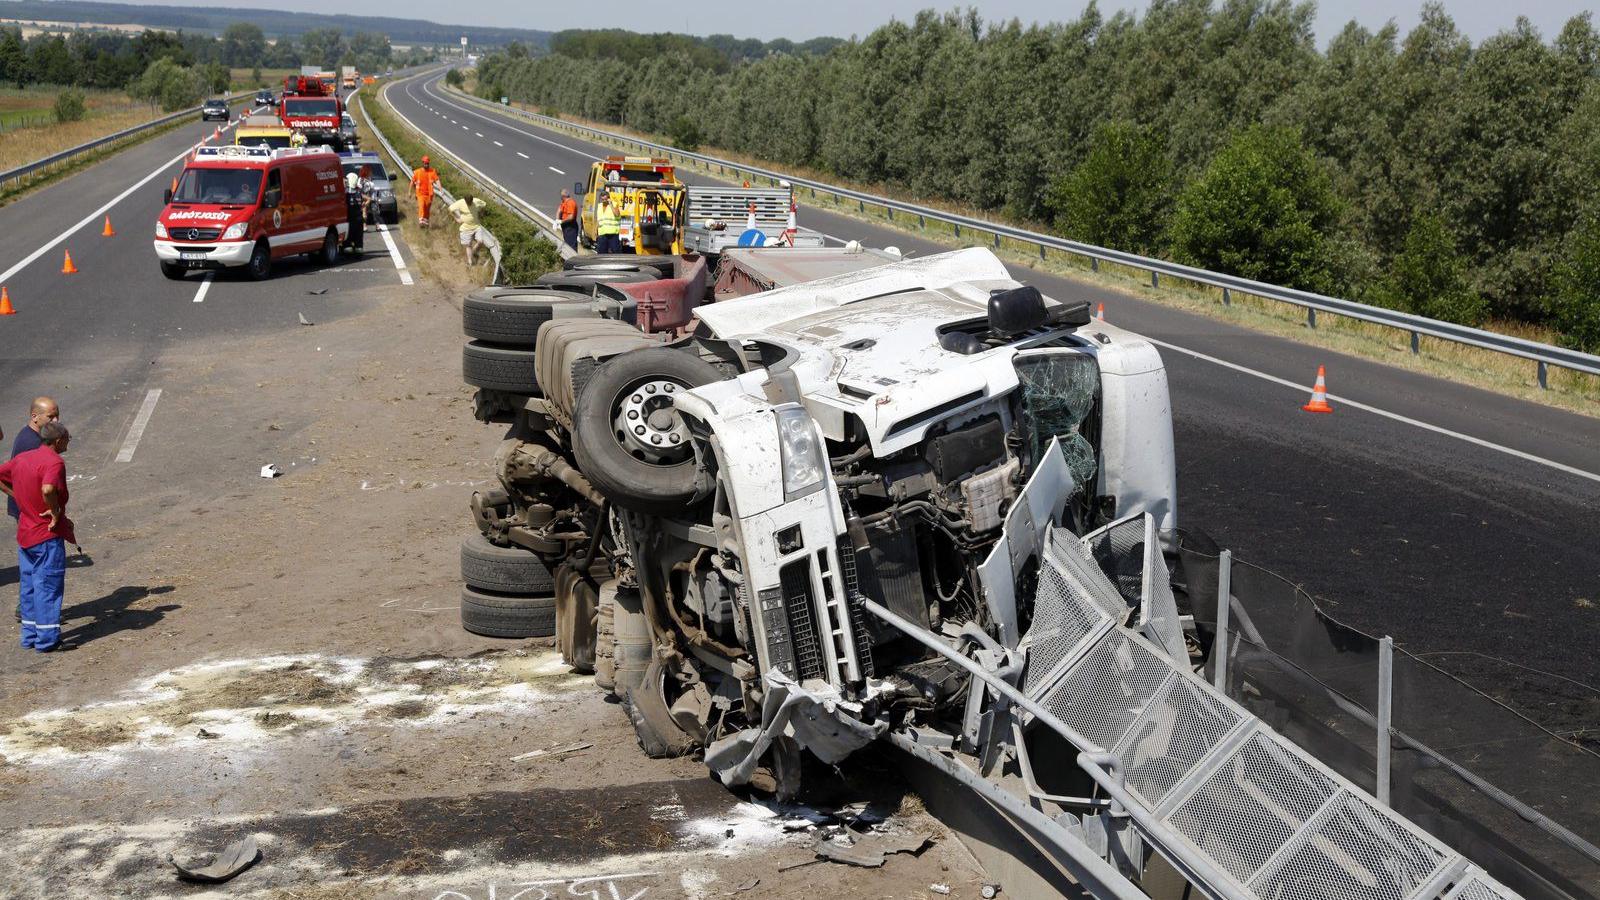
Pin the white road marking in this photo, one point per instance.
(205, 285)
(503, 123)
(140, 422)
(394, 254)
(478, 133)
(498, 144)
(555, 170)
(94, 216)
(523, 155)
(1346, 401)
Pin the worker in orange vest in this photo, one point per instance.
(567, 215)
(423, 181)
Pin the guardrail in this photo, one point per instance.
(1544, 355)
(54, 159)
(518, 207)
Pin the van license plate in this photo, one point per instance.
(196, 256)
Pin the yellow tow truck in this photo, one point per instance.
(647, 196)
(259, 130)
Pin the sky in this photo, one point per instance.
(843, 18)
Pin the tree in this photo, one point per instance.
(454, 78)
(1262, 209)
(1428, 276)
(322, 46)
(70, 106)
(243, 44)
(1575, 300)
(168, 85)
(1120, 195)
(371, 51)
(14, 66)
(216, 77)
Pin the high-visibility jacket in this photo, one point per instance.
(606, 221)
(568, 210)
(423, 181)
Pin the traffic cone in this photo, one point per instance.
(1319, 394)
(1100, 312)
(67, 268)
(6, 309)
(108, 231)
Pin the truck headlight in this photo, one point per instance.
(799, 451)
(235, 231)
(386, 195)
(161, 230)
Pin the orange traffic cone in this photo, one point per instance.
(67, 268)
(108, 231)
(6, 309)
(1319, 394)
(1100, 312)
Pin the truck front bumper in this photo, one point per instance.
(215, 255)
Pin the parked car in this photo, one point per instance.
(384, 209)
(348, 133)
(215, 108)
(248, 206)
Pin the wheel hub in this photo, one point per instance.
(648, 426)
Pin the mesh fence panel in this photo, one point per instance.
(1063, 616)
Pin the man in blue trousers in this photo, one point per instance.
(42, 410)
(37, 481)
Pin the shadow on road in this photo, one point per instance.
(112, 613)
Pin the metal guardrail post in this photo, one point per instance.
(1311, 316)
(1544, 375)
(1227, 297)
(1385, 714)
(1219, 646)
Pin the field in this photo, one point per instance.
(28, 130)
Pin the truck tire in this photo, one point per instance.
(636, 275)
(659, 736)
(603, 261)
(173, 271)
(511, 317)
(507, 615)
(653, 472)
(329, 254)
(505, 570)
(508, 369)
(260, 264)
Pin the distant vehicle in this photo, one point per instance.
(215, 108)
(348, 76)
(264, 98)
(347, 132)
(263, 130)
(386, 210)
(248, 206)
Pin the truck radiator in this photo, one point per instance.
(858, 616)
(800, 606)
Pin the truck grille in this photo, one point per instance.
(858, 614)
(195, 234)
(795, 579)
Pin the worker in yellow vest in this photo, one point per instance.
(607, 226)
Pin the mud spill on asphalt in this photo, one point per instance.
(253, 701)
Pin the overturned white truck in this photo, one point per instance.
(921, 503)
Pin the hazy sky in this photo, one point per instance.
(842, 18)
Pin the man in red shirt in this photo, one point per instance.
(37, 480)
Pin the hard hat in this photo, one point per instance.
(424, 160)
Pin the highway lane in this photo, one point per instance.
(99, 340)
(1445, 543)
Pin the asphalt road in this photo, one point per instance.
(1452, 518)
(97, 340)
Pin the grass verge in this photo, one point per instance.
(525, 252)
(1512, 376)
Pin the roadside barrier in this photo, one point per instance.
(38, 166)
(901, 213)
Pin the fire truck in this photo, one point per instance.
(312, 108)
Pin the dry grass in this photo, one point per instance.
(1496, 372)
(28, 144)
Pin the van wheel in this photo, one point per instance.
(260, 264)
(329, 254)
(173, 271)
(630, 443)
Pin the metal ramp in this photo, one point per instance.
(1239, 810)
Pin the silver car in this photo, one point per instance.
(384, 209)
(347, 132)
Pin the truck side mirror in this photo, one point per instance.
(577, 189)
(272, 197)
(166, 196)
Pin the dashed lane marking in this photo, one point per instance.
(478, 133)
(555, 170)
(498, 144)
(140, 422)
(205, 285)
(394, 254)
(523, 155)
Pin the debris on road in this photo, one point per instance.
(304, 320)
(939, 888)
(234, 858)
(271, 470)
(553, 751)
(317, 291)
(872, 851)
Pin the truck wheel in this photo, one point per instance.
(512, 318)
(603, 276)
(329, 254)
(173, 271)
(659, 736)
(505, 570)
(260, 264)
(603, 261)
(507, 615)
(509, 369)
(630, 443)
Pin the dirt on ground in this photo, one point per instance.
(283, 658)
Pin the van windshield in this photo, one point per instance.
(227, 187)
(375, 170)
(311, 107)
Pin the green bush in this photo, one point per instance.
(1262, 209)
(1120, 195)
(684, 134)
(1575, 300)
(168, 85)
(1428, 277)
(70, 105)
(454, 78)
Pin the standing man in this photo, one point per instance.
(567, 215)
(466, 212)
(607, 227)
(37, 481)
(43, 410)
(354, 214)
(423, 181)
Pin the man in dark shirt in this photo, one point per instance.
(43, 410)
(37, 480)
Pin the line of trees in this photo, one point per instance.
(718, 52)
(1416, 171)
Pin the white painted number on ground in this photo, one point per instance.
(600, 887)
